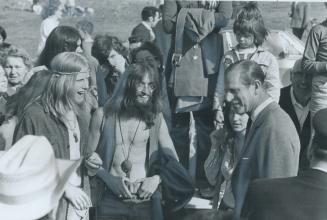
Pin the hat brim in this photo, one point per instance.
(44, 202)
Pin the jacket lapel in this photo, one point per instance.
(255, 125)
(107, 145)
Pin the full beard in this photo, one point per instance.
(142, 111)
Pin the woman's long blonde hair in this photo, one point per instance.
(58, 97)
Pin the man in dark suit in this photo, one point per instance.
(295, 100)
(143, 31)
(303, 197)
(272, 145)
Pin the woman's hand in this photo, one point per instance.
(77, 197)
(148, 186)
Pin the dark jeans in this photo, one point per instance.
(180, 135)
(113, 208)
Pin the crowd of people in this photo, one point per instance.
(92, 129)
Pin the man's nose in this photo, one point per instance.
(229, 96)
(85, 84)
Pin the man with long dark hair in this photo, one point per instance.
(134, 134)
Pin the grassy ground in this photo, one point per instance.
(117, 17)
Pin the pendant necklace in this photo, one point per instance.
(126, 165)
(72, 125)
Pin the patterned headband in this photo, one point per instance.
(68, 73)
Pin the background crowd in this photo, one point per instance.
(168, 115)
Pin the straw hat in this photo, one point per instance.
(32, 180)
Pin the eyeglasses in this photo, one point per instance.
(143, 86)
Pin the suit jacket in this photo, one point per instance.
(141, 31)
(271, 150)
(285, 103)
(303, 197)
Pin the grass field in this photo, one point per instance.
(117, 17)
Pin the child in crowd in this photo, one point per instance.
(250, 33)
(51, 16)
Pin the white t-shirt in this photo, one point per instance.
(46, 28)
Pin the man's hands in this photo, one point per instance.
(119, 186)
(77, 197)
(142, 188)
(148, 186)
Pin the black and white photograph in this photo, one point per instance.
(163, 110)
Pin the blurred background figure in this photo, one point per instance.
(17, 66)
(295, 101)
(51, 19)
(163, 39)
(113, 59)
(150, 17)
(3, 36)
(299, 17)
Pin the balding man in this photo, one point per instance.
(272, 144)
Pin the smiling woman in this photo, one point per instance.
(57, 115)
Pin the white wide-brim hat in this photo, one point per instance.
(32, 180)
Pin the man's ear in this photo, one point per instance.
(151, 19)
(257, 86)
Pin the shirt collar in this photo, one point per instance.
(259, 109)
(294, 102)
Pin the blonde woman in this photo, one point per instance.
(57, 116)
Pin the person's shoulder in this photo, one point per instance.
(285, 94)
(265, 54)
(138, 27)
(275, 115)
(271, 186)
(34, 109)
(278, 113)
(320, 28)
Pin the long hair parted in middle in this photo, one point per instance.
(61, 39)
(123, 100)
(58, 97)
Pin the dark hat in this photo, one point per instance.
(319, 123)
